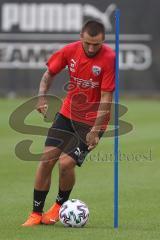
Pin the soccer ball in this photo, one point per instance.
(74, 213)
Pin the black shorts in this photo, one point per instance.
(70, 137)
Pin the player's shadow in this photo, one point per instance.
(121, 227)
(88, 226)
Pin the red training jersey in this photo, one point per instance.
(88, 77)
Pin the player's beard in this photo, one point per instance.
(91, 55)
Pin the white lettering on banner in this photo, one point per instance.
(10, 16)
(28, 18)
(27, 55)
(34, 55)
(51, 17)
(58, 22)
(73, 17)
(134, 56)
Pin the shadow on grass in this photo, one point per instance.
(88, 226)
(124, 227)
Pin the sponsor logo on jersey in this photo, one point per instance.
(85, 83)
(96, 70)
(72, 65)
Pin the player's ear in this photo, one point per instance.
(81, 35)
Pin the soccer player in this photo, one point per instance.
(83, 116)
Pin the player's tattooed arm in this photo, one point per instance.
(45, 83)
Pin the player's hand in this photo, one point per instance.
(42, 105)
(92, 139)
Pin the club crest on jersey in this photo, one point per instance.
(96, 70)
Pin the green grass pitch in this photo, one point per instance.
(139, 181)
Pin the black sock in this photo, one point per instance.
(62, 196)
(39, 198)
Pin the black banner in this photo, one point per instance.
(30, 31)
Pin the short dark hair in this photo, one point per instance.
(93, 28)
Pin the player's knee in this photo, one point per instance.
(66, 165)
(49, 157)
(47, 166)
(47, 161)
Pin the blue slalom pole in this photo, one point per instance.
(116, 137)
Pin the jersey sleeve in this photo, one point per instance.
(108, 79)
(57, 61)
